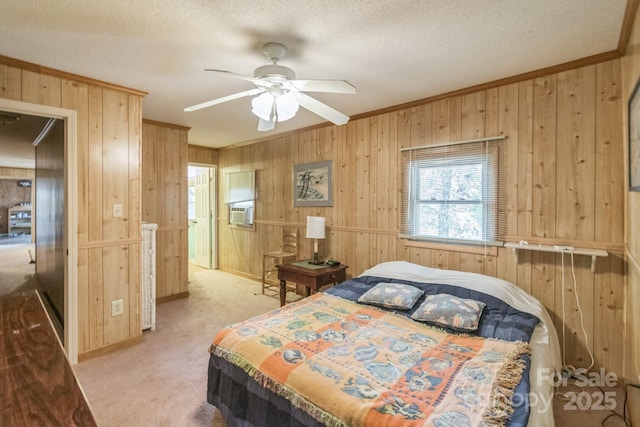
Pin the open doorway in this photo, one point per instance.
(202, 212)
(66, 250)
(17, 244)
(32, 207)
(17, 174)
(17, 179)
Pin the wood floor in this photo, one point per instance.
(37, 384)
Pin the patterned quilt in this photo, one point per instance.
(348, 364)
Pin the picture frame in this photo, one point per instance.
(634, 138)
(313, 184)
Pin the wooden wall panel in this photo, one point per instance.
(630, 69)
(115, 271)
(17, 173)
(609, 286)
(41, 89)
(108, 136)
(203, 155)
(75, 96)
(84, 300)
(575, 154)
(134, 175)
(10, 82)
(115, 165)
(164, 153)
(564, 187)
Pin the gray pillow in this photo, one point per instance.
(446, 310)
(392, 295)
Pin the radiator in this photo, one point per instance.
(148, 267)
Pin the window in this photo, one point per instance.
(240, 197)
(455, 192)
(241, 186)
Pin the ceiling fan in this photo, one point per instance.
(280, 94)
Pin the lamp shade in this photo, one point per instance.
(287, 106)
(315, 227)
(276, 105)
(263, 106)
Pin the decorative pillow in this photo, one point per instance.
(450, 311)
(392, 295)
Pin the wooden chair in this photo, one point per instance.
(288, 253)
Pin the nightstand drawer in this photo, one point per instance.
(331, 277)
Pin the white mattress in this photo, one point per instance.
(545, 348)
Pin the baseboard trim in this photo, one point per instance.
(110, 348)
(240, 273)
(173, 297)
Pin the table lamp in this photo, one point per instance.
(315, 231)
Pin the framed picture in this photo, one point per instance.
(634, 139)
(312, 184)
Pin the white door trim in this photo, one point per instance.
(70, 213)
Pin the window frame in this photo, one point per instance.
(486, 184)
(452, 154)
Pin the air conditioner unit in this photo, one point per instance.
(241, 216)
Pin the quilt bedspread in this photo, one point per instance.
(349, 364)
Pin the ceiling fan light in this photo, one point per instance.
(287, 106)
(263, 106)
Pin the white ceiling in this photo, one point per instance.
(393, 52)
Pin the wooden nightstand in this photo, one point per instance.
(312, 276)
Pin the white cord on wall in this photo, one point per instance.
(569, 368)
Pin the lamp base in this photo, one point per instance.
(316, 258)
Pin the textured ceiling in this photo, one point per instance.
(393, 52)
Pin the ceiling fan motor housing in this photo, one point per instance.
(274, 73)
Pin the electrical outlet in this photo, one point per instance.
(117, 211)
(117, 307)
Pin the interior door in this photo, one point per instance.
(203, 218)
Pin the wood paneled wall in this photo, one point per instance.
(566, 186)
(631, 74)
(109, 122)
(203, 155)
(164, 202)
(17, 173)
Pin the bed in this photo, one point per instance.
(482, 353)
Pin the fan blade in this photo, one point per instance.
(225, 99)
(328, 86)
(323, 110)
(265, 125)
(239, 76)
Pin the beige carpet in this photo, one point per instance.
(16, 273)
(162, 381)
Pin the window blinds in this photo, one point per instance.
(240, 186)
(455, 192)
